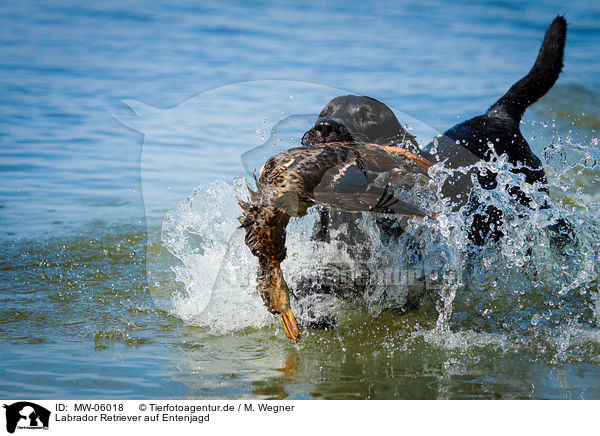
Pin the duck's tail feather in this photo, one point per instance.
(540, 79)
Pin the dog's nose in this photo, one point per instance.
(326, 130)
(325, 127)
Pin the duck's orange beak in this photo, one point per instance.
(291, 326)
(276, 296)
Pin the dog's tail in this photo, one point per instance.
(540, 79)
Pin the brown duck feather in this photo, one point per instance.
(335, 175)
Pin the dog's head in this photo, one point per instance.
(356, 118)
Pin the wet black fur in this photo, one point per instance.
(365, 119)
(361, 118)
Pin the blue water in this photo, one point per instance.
(78, 317)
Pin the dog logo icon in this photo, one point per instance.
(26, 415)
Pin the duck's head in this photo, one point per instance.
(276, 296)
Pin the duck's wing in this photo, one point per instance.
(349, 183)
(375, 199)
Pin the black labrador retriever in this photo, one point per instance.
(365, 119)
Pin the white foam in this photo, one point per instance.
(217, 271)
(520, 283)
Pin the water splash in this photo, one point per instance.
(217, 274)
(533, 285)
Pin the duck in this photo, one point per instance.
(347, 176)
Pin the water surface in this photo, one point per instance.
(83, 199)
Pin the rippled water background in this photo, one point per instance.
(78, 316)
